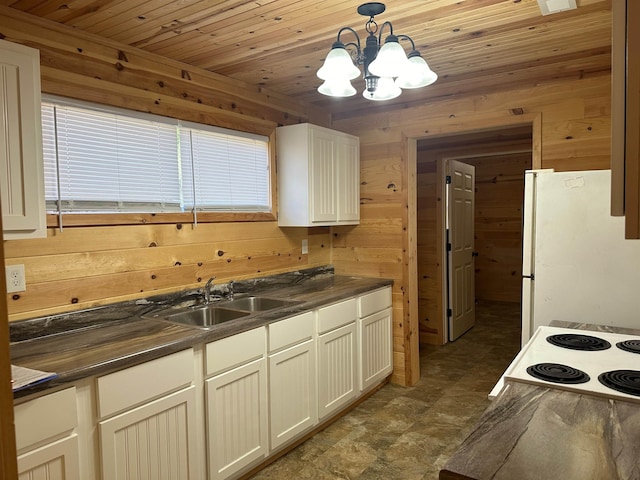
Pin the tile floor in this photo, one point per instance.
(409, 433)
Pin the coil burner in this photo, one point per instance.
(632, 346)
(557, 373)
(625, 381)
(575, 341)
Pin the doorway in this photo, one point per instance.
(500, 158)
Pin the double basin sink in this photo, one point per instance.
(208, 316)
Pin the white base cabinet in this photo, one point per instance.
(55, 461)
(45, 439)
(337, 369)
(153, 441)
(375, 337)
(236, 403)
(292, 379)
(292, 393)
(147, 429)
(224, 406)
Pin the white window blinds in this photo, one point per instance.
(103, 159)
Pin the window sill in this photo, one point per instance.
(97, 219)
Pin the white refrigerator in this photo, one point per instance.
(577, 266)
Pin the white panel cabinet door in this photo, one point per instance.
(21, 167)
(348, 177)
(322, 184)
(376, 348)
(237, 419)
(292, 392)
(155, 441)
(55, 461)
(337, 369)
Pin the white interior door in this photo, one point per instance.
(462, 313)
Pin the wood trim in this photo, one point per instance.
(102, 219)
(8, 459)
(632, 151)
(618, 85)
(410, 263)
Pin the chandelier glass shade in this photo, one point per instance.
(387, 69)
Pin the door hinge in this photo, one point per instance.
(448, 179)
(449, 312)
(532, 276)
(448, 247)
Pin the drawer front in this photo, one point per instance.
(337, 315)
(121, 390)
(236, 350)
(373, 302)
(290, 331)
(45, 417)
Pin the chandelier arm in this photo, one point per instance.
(407, 37)
(382, 29)
(355, 34)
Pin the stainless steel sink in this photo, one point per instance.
(258, 304)
(205, 317)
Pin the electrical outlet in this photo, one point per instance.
(15, 278)
(305, 246)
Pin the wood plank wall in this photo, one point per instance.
(82, 267)
(574, 117)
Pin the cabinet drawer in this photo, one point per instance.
(135, 385)
(373, 302)
(45, 417)
(336, 315)
(290, 331)
(233, 351)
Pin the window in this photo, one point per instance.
(106, 160)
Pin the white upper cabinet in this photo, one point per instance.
(318, 176)
(21, 168)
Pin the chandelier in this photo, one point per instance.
(387, 69)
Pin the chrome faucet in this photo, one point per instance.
(207, 290)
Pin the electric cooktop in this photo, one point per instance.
(582, 361)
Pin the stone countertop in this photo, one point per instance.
(535, 433)
(102, 340)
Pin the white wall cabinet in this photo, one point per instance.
(375, 337)
(45, 438)
(237, 425)
(21, 167)
(337, 357)
(318, 176)
(148, 429)
(292, 379)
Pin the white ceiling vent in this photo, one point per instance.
(554, 6)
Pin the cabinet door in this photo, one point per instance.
(322, 171)
(292, 392)
(55, 461)
(337, 369)
(155, 441)
(348, 166)
(376, 348)
(237, 419)
(22, 179)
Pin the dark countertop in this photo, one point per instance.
(536, 433)
(102, 340)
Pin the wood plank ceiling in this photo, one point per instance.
(475, 46)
